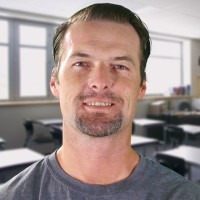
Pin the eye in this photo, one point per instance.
(80, 64)
(120, 67)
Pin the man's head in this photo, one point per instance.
(100, 55)
(110, 12)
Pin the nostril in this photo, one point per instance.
(94, 86)
(100, 79)
(100, 86)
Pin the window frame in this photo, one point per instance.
(14, 56)
(181, 59)
(6, 44)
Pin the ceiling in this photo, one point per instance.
(170, 17)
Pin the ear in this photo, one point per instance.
(54, 86)
(142, 92)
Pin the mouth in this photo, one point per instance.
(99, 104)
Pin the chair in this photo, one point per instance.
(2, 142)
(57, 136)
(176, 164)
(173, 135)
(184, 106)
(32, 138)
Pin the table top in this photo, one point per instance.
(189, 153)
(191, 129)
(148, 122)
(48, 122)
(141, 140)
(15, 157)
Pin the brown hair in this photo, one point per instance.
(111, 12)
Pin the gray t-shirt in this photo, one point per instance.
(45, 180)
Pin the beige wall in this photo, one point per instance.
(195, 66)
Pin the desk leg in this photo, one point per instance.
(186, 138)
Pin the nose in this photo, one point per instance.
(101, 78)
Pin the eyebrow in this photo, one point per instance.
(123, 58)
(79, 54)
(117, 58)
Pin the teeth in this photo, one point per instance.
(98, 104)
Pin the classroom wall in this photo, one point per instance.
(195, 67)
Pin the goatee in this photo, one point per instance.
(98, 125)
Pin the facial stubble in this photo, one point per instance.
(98, 124)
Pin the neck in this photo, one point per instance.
(97, 160)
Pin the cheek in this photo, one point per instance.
(130, 91)
(131, 88)
(70, 88)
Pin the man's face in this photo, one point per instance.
(99, 77)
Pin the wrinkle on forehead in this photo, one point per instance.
(116, 58)
(102, 37)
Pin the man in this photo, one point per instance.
(100, 55)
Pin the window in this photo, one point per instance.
(165, 66)
(32, 61)
(26, 59)
(32, 74)
(4, 65)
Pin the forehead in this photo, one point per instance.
(96, 27)
(104, 35)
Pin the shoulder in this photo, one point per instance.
(156, 171)
(167, 182)
(26, 182)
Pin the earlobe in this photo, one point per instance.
(142, 92)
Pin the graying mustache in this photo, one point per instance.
(109, 96)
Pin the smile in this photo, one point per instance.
(104, 104)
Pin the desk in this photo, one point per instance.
(48, 122)
(151, 127)
(15, 160)
(2, 142)
(142, 141)
(189, 129)
(148, 122)
(15, 157)
(190, 154)
(189, 117)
